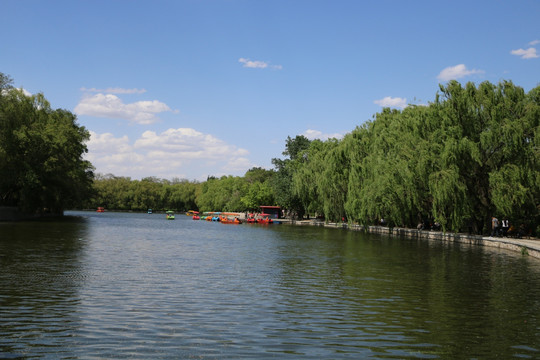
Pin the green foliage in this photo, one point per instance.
(295, 147)
(258, 193)
(450, 202)
(487, 137)
(227, 193)
(6, 82)
(224, 194)
(122, 193)
(282, 182)
(258, 174)
(470, 154)
(304, 179)
(41, 149)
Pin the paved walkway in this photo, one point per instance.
(532, 243)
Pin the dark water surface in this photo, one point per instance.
(115, 285)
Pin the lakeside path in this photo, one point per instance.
(526, 246)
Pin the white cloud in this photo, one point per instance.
(24, 91)
(187, 142)
(255, 64)
(529, 53)
(456, 72)
(111, 106)
(110, 154)
(106, 143)
(172, 153)
(393, 102)
(534, 42)
(316, 134)
(114, 90)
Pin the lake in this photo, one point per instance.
(122, 285)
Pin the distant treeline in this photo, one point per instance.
(471, 154)
(228, 193)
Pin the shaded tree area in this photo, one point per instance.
(41, 154)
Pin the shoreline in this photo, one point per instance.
(529, 247)
(12, 213)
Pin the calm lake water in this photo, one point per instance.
(117, 285)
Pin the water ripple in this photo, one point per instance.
(136, 286)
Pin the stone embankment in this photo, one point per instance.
(525, 246)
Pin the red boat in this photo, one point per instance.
(264, 219)
(226, 220)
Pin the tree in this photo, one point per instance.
(41, 151)
(258, 174)
(294, 147)
(305, 178)
(472, 153)
(488, 154)
(258, 193)
(224, 194)
(282, 182)
(6, 82)
(182, 195)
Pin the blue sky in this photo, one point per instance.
(189, 88)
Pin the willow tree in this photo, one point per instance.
(334, 178)
(389, 178)
(515, 186)
(487, 154)
(181, 194)
(321, 177)
(356, 145)
(282, 180)
(305, 179)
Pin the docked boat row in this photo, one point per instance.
(230, 217)
(225, 217)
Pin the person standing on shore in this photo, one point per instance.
(494, 226)
(505, 226)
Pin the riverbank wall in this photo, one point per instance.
(530, 247)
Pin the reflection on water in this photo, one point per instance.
(115, 285)
(39, 282)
